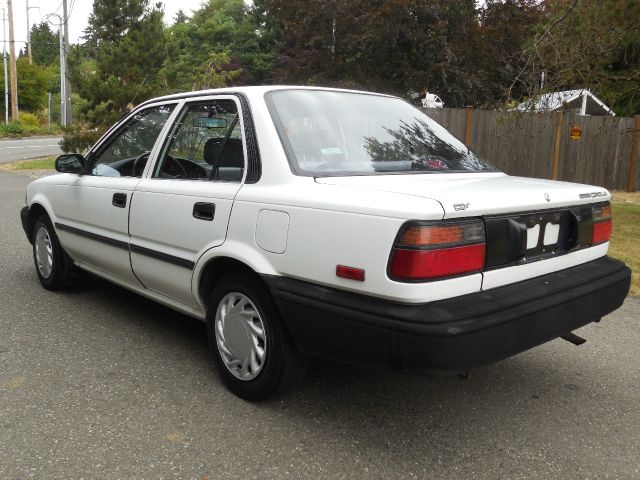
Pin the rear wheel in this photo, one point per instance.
(252, 351)
(48, 255)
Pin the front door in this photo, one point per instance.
(93, 210)
(183, 207)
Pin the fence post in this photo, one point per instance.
(469, 126)
(631, 179)
(556, 147)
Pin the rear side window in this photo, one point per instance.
(205, 144)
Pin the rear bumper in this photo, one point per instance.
(456, 333)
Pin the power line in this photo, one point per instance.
(56, 10)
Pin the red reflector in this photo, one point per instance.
(350, 272)
(424, 264)
(601, 232)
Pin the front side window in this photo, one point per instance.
(127, 152)
(205, 144)
(340, 133)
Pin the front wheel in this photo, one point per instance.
(48, 255)
(252, 351)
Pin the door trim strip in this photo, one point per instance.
(178, 261)
(93, 236)
(165, 257)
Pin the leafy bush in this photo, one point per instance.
(18, 129)
(11, 129)
(28, 120)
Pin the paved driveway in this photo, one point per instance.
(13, 150)
(96, 382)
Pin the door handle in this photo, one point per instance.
(119, 200)
(204, 211)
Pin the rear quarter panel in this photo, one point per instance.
(330, 226)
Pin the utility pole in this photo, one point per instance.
(63, 77)
(4, 60)
(29, 33)
(67, 85)
(12, 67)
(63, 68)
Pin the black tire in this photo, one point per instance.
(53, 278)
(283, 366)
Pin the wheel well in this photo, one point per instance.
(35, 211)
(217, 268)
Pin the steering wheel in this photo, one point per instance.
(169, 167)
(136, 164)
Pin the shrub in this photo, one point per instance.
(11, 129)
(28, 120)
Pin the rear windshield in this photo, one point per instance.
(329, 133)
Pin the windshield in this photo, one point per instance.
(340, 133)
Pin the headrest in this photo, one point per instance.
(212, 150)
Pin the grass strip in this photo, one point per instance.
(625, 240)
(46, 163)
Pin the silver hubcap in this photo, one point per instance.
(240, 336)
(44, 252)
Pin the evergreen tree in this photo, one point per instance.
(118, 66)
(45, 44)
(218, 46)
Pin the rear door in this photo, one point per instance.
(93, 210)
(182, 208)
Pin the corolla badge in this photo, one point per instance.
(460, 206)
(547, 197)
(592, 195)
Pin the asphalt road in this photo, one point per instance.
(96, 382)
(30, 147)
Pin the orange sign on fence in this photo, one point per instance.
(575, 133)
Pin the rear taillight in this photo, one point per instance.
(601, 223)
(426, 251)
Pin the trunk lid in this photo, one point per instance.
(477, 194)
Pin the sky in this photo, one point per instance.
(78, 16)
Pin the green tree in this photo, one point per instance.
(180, 17)
(111, 19)
(388, 45)
(118, 66)
(33, 85)
(466, 51)
(218, 46)
(505, 28)
(45, 44)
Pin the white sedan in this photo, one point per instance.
(340, 224)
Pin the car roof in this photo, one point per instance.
(252, 90)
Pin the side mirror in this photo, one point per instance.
(70, 163)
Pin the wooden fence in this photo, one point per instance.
(541, 145)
